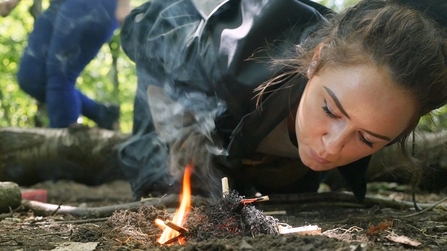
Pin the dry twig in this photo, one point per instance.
(97, 212)
(425, 209)
(337, 197)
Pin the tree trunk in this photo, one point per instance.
(82, 154)
(430, 166)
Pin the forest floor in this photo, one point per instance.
(344, 226)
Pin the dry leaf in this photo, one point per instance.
(403, 240)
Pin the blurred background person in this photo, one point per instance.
(65, 38)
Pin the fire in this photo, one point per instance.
(181, 213)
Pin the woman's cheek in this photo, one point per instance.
(317, 120)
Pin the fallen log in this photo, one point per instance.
(82, 154)
(428, 168)
(429, 151)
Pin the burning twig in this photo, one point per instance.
(172, 240)
(164, 224)
(257, 199)
(176, 227)
(180, 214)
(244, 202)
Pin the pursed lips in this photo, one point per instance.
(317, 158)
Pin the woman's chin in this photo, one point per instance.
(317, 167)
(320, 168)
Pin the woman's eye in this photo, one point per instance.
(328, 112)
(368, 143)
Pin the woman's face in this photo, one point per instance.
(347, 113)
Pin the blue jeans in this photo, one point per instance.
(66, 37)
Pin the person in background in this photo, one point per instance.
(272, 93)
(65, 38)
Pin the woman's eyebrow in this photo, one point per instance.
(378, 135)
(337, 103)
(342, 110)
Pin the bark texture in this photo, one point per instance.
(82, 154)
(429, 165)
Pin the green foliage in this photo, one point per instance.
(16, 108)
(337, 5)
(435, 121)
(97, 80)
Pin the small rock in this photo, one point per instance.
(76, 246)
(10, 196)
(245, 246)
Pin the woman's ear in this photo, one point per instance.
(315, 61)
(317, 52)
(311, 69)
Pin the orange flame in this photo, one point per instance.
(181, 213)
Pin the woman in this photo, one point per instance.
(340, 88)
(66, 37)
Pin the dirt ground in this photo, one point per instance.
(344, 225)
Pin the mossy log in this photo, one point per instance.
(82, 154)
(429, 165)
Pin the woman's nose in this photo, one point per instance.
(334, 140)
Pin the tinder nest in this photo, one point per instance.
(220, 218)
(228, 217)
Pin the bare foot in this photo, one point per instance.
(7, 6)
